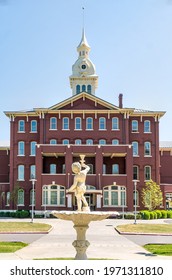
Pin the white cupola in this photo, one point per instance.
(83, 78)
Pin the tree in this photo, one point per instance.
(14, 194)
(151, 195)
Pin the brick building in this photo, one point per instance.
(120, 145)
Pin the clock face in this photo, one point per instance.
(83, 66)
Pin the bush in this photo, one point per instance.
(164, 214)
(151, 215)
(155, 214)
(145, 214)
(22, 214)
(169, 214)
(159, 214)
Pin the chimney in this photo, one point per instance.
(120, 100)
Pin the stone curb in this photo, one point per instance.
(140, 233)
(27, 232)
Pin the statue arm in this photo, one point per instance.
(73, 187)
(87, 168)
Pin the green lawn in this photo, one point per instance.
(11, 247)
(146, 228)
(23, 227)
(159, 249)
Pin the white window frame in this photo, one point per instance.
(108, 196)
(145, 172)
(135, 145)
(53, 123)
(102, 123)
(33, 126)
(115, 123)
(89, 123)
(147, 128)
(59, 192)
(21, 148)
(147, 148)
(65, 123)
(21, 126)
(21, 172)
(78, 123)
(134, 126)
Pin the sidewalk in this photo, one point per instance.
(105, 242)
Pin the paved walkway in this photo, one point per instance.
(105, 242)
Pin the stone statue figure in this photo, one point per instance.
(79, 186)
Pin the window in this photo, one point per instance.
(32, 197)
(21, 172)
(20, 198)
(147, 126)
(147, 173)
(53, 141)
(8, 199)
(136, 198)
(134, 126)
(78, 125)
(33, 126)
(89, 142)
(102, 142)
(33, 148)
(53, 123)
(52, 168)
(115, 142)
(21, 148)
(89, 123)
(104, 168)
(89, 89)
(65, 141)
(65, 123)
(91, 168)
(83, 88)
(115, 168)
(78, 89)
(114, 196)
(63, 169)
(147, 148)
(135, 172)
(115, 123)
(78, 142)
(135, 148)
(21, 126)
(102, 123)
(53, 195)
(32, 172)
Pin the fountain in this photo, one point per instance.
(82, 217)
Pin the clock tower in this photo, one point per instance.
(83, 78)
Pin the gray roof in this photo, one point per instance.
(165, 144)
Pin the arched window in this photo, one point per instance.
(78, 142)
(84, 88)
(32, 197)
(21, 148)
(53, 141)
(89, 123)
(33, 148)
(53, 123)
(53, 195)
(21, 172)
(32, 171)
(21, 126)
(115, 168)
(102, 142)
(89, 141)
(114, 196)
(78, 89)
(147, 173)
(104, 168)
(115, 123)
(135, 148)
(52, 168)
(65, 141)
(147, 148)
(134, 126)
(147, 126)
(33, 126)
(78, 124)
(20, 198)
(65, 123)
(8, 198)
(102, 123)
(135, 172)
(89, 89)
(136, 198)
(115, 142)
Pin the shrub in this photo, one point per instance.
(164, 214)
(159, 214)
(169, 214)
(155, 214)
(22, 214)
(151, 215)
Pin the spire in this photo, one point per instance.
(83, 45)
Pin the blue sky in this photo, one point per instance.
(131, 47)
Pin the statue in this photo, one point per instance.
(79, 186)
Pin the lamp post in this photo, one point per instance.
(135, 198)
(33, 180)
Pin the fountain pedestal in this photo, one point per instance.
(81, 222)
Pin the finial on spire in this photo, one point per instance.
(83, 15)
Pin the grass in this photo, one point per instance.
(159, 249)
(23, 227)
(11, 247)
(146, 228)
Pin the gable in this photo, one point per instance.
(84, 101)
